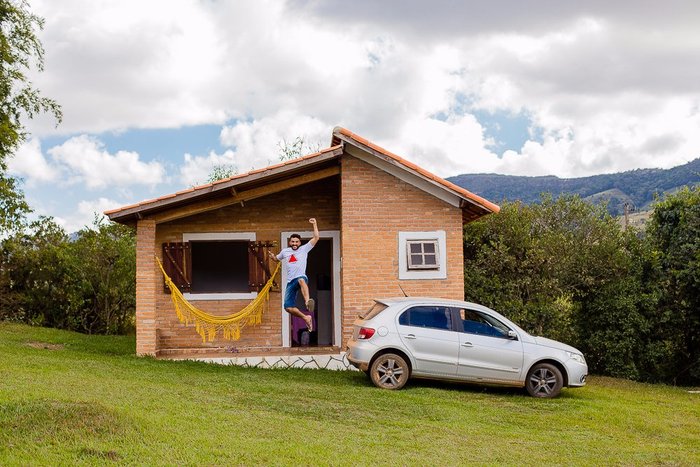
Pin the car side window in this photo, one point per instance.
(475, 322)
(435, 317)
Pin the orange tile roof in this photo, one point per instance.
(224, 180)
(466, 193)
(206, 188)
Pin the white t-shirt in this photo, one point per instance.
(295, 260)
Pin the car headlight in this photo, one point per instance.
(576, 357)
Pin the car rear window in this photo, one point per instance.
(374, 311)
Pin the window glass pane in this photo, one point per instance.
(416, 260)
(429, 247)
(220, 267)
(430, 259)
(415, 247)
(427, 317)
(474, 322)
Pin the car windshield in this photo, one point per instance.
(374, 311)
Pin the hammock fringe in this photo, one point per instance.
(207, 325)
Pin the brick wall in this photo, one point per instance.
(146, 287)
(266, 217)
(375, 207)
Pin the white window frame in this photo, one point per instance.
(417, 274)
(214, 236)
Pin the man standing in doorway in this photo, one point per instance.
(294, 257)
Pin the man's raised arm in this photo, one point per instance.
(316, 234)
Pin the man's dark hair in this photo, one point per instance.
(295, 236)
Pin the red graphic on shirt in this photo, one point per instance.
(292, 259)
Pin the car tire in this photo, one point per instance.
(544, 380)
(389, 371)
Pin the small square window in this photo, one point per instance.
(423, 254)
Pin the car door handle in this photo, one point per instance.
(410, 336)
(467, 344)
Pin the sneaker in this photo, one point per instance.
(311, 305)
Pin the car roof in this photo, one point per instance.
(423, 300)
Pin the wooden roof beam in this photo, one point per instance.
(239, 196)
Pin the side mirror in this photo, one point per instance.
(512, 335)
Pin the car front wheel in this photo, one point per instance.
(544, 380)
(389, 371)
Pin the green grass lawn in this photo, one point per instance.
(68, 399)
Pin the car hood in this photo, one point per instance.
(543, 341)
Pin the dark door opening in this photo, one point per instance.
(319, 269)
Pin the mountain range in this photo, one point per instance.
(636, 188)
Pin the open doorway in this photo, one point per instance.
(319, 270)
(323, 271)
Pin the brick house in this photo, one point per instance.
(372, 208)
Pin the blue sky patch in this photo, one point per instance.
(168, 144)
(509, 131)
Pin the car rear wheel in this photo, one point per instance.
(544, 380)
(389, 371)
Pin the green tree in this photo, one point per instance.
(221, 171)
(84, 284)
(104, 272)
(297, 148)
(20, 50)
(13, 206)
(560, 269)
(674, 231)
(35, 276)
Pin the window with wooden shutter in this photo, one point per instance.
(218, 269)
(177, 262)
(258, 265)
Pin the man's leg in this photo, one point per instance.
(304, 287)
(292, 310)
(290, 296)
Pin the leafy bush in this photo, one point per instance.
(567, 270)
(86, 284)
(674, 232)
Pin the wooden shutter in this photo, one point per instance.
(177, 262)
(258, 268)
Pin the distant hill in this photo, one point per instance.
(636, 187)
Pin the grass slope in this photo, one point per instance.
(67, 398)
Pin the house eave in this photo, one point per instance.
(473, 206)
(227, 187)
(219, 193)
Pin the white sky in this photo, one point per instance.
(524, 88)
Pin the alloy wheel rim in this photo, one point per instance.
(389, 373)
(543, 381)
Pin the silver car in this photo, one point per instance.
(400, 338)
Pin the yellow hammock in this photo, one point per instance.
(230, 325)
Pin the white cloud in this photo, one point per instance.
(444, 147)
(85, 214)
(85, 160)
(121, 64)
(196, 169)
(29, 163)
(608, 87)
(256, 144)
